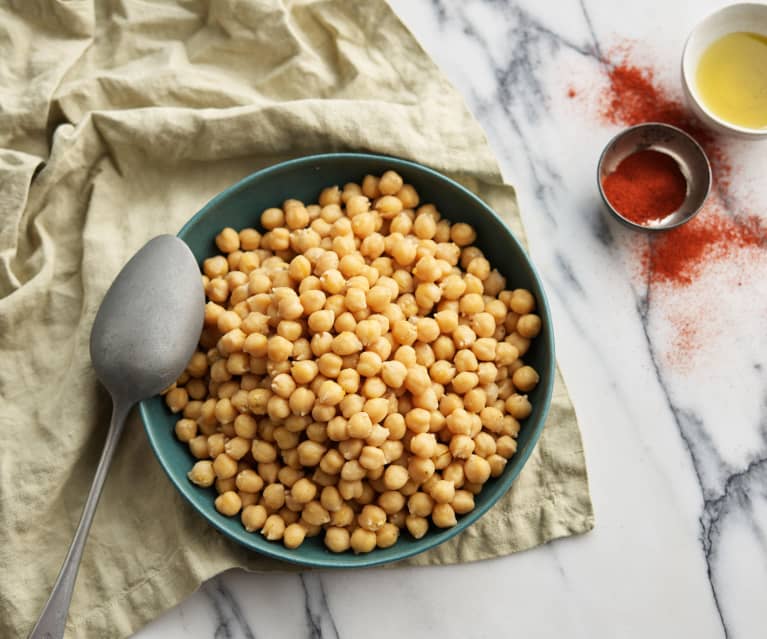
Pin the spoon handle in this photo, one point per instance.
(53, 618)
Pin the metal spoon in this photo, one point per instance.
(142, 339)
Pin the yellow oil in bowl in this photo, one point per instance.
(732, 79)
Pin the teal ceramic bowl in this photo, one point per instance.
(303, 178)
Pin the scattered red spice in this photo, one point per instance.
(677, 255)
(645, 186)
(633, 96)
(571, 93)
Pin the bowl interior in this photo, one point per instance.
(667, 139)
(746, 16)
(239, 207)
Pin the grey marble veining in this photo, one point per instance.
(677, 454)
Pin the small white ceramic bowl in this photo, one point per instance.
(746, 16)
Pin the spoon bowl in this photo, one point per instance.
(144, 334)
(147, 327)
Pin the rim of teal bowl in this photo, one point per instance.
(345, 560)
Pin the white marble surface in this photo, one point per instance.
(677, 453)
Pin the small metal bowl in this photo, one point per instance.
(674, 142)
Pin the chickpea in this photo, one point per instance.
(283, 385)
(518, 406)
(330, 393)
(331, 500)
(329, 195)
(253, 517)
(186, 430)
(506, 446)
(497, 464)
(464, 382)
(521, 301)
(423, 444)
(476, 469)
(507, 353)
(395, 477)
(427, 269)
(461, 446)
(346, 343)
(485, 349)
(249, 481)
(417, 526)
(314, 514)
(463, 337)
(303, 491)
(525, 378)
(228, 503)
(529, 325)
(202, 473)
(274, 496)
(390, 183)
(443, 491)
(310, 453)
(293, 536)
(224, 411)
(420, 469)
(475, 400)
(304, 372)
(272, 218)
(215, 267)
(443, 516)
(462, 234)
(301, 401)
(387, 535)
(274, 526)
(360, 426)
(337, 539)
(237, 447)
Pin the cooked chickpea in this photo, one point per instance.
(310, 453)
(315, 514)
(417, 526)
(461, 446)
(420, 469)
(476, 469)
(228, 503)
(337, 539)
(522, 301)
(362, 540)
(249, 481)
(464, 382)
(293, 536)
(525, 378)
(237, 447)
(186, 429)
(443, 516)
(303, 491)
(301, 401)
(202, 473)
(518, 406)
(463, 502)
(274, 526)
(423, 444)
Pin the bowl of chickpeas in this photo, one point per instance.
(375, 366)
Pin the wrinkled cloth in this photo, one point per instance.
(118, 120)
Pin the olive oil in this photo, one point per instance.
(732, 79)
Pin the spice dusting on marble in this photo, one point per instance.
(633, 96)
(693, 267)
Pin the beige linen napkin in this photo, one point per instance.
(118, 120)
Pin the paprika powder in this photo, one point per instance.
(647, 185)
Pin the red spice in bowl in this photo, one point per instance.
(647, 185)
